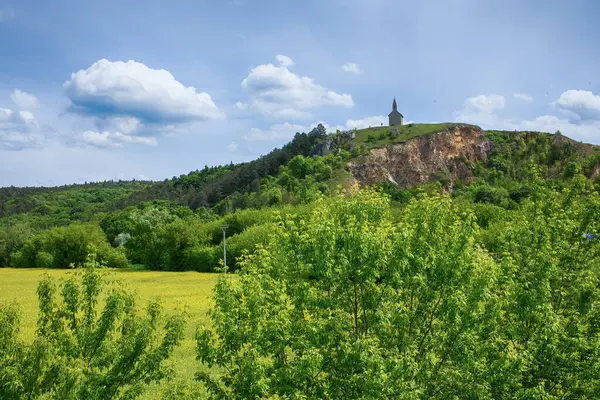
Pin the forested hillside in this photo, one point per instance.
(175, 224)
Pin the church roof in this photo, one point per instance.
(395, 112)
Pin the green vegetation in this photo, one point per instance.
(381, 135)
(487, 288)
(44, 207)
(178, 227)
(344, 303)
(79, 352)
(187, 291)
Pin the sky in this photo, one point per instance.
(127, 89)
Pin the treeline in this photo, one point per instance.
(209, 186)
(43, 208)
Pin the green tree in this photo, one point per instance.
(12, 239)
(85, 348)
(345, 305)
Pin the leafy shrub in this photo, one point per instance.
(201, 258)
(346, 304)
(44, 260)
(519, 193)
(85, 348)
(247, 241)
(68, 245)
(571, 170)
(489, 194)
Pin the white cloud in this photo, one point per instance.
(133, 89)
(580, 104)
(275, 132)
(125, 125)
(232, 147)
(352, 67)
(277, 92)
(115, 139)
(587, 132)
(366, 122)
(284, 60)
(23, 100)
(19, 130)
(286, 131)
(523, 96)
(481, 109)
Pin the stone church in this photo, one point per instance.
(395, 117)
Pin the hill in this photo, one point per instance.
(175, 224)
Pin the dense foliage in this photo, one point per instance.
(207, 187)
(179, 226)
(486, 289)
(347, 304)
(86, 348)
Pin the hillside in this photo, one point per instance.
(175, 224)
(408, 155)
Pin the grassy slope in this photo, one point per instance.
(176, 290)
(406, 132)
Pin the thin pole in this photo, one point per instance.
(224, 251)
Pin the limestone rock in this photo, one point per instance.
(417, 160)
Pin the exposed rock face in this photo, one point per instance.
(451, 152)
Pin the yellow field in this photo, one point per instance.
(191, 290)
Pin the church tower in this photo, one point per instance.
(395, 117)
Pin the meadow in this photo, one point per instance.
(189, 290)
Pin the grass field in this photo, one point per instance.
(175, 290)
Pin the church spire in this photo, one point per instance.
(394, 105)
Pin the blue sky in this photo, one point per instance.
(152, 89)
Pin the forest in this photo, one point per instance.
(481, 289)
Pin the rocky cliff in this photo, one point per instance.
(450, 153)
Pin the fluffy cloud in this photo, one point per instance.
(523, 96)
(581, 107)
(278, 92)
(588, 132)
(284, 60)
(580, 104)
(23, 100)
(366, 122)
(352, 67)
(19, 130)
(135, 90)
(114, 139)
(286, 131)
(481, 109)
(275, 132)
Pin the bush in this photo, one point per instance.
(115, 258)
(571, 170)
(201, 258)
(174, 239)
(247, 241)
(85, 348)
(44, 260)
(68, 245)
(520, 193)
(489, 194)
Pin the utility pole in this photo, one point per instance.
(223, 228)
